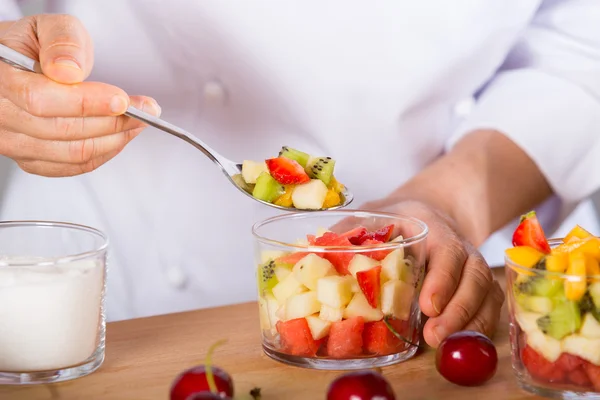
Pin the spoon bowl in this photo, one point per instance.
(230, 168)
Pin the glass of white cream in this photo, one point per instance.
(52, 285)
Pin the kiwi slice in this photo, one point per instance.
(267, 188)
(563, 320)
(320, 168)
(296, 155)
(266, 277)
(587, 304)
(594, 292)
(538, 286)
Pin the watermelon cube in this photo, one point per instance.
(296, 338)
(346, 338)
(379, 340)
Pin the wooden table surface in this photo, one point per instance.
(144, 355)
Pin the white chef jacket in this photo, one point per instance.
(383, 87)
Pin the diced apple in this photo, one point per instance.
(281, 272)
(354, 286)
(588, 349)
(268, 255)
(334, 290)
(396, 299)
(287, 288)
(302, 305)
(331, 314)
(546, 345)
(590, 328)
(395, 267)
(310, 269)
(280, 313)
(309, 195)
(360, 307)
(527, 320)
(268, 307)
(252, 169)
(361, 263)
(319, 328)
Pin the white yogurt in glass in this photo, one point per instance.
(50, 317)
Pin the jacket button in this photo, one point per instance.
(214, 93)
(176, 276)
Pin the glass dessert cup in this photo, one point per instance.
(338, 290)
(554, 328)
(52, 284)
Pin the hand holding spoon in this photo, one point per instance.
(231, 169)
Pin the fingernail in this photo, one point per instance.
(67, 62)
(118, 105)
(440, 333)
(435, 299)
(152, 107)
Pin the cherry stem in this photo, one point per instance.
(207, 364)
(399, 336)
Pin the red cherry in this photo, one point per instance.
(360, 385)
(206, 396)
(194, 381)
(467, 358)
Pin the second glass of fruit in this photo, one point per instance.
(339, 289)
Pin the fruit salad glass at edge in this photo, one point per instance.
(339, 289)
(554, 328)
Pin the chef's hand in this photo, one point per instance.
(55, 124)
(459, 291)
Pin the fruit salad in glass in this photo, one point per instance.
(294, 179)
(339, 289)
(554, 303)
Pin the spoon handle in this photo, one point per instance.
(20, 61)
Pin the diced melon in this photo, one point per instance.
(361, 263)
(334, 290)
(527, 320)
(590, 328)
(252, 169)
(268, 307)
(319, 328)
(281, 272)
(301, 305)
(396, 299)
(546, 345)
(310, 269)
(268, 255)
(395, 267)
(586, 348)
(287, 288)
(354, 286)
(331, 314)
(280, 313)
(309, 195)
(360, 307)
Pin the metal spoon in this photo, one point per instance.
(231, 169)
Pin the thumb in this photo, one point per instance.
(65, 48)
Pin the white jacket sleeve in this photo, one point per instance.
(546, 97)
(9, 10)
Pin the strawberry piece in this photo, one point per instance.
(375, 254)
(540, 368)
(296, 338)
(530, 233)
(339, 260)
(354, 235)
(311, 239)
(382, 235)
(369, 282)
(287, 171)
(593, 372)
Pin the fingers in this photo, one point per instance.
(66, 53)
(446, 262)
(475, 285)
(54, 169)
(15, 119)
(42, 97)
(486, 319)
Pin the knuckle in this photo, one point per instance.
(31, 99)
(462, 313)
(480, 276)
(68, 128)
(81, 151)
(480, 324)
(456, 249)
